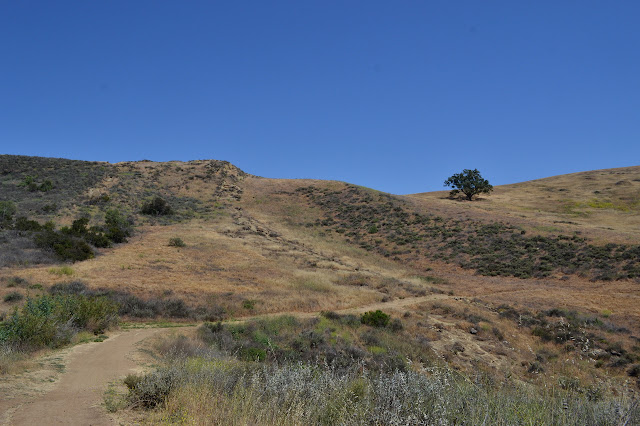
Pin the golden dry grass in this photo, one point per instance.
(259, 248)
(602, 204)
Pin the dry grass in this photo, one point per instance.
(601, 204)
(259, 248)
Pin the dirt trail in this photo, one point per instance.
(76, 399)
(392, 304)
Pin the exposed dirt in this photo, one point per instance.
(76, 398)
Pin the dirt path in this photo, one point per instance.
(393, 304)
(76, 399)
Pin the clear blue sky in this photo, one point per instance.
(392, 95)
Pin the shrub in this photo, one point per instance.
(375, 319)
(46, 186)
(175, 308)
(16, 282)
(153, 389)
(23, 224)
(73, 287)
(228, 392)
(7, 210)
(14, 296)
(132, 380)
(634, 371)
(396, 325)
(117, 227)
(53, 320)
(331, 315)
(249, 304)
(66, 247)
(176, 242)
(157, 207)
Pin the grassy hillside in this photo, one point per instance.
(513, 285)
(599, 204)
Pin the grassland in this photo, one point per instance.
(537, 283)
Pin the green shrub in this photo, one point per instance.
(53, 320)
(23, 224)
(7, 210)
(176, 242)
(14, 296)
(132, 380)
(66, 247)
(249, 304)
(156, 207)
(253, 354)
(375, 319)
(117, 227)
(46, 186)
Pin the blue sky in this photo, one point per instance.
(392, 95)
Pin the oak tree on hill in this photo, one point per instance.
(469, 182)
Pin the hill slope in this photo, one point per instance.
(256, 246)
(603, 204)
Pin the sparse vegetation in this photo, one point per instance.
(495, 249)
(203, 384)
(587, 335)
(261, 246)
(73, 243)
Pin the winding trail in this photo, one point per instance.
(77, 398)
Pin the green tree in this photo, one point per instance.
(469, 182)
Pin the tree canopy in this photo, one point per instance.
(469, 182)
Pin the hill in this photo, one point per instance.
(540, 276)
(603, 204)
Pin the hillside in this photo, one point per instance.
(539, 276)
(603, 204)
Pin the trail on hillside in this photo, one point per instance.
(76, 399)
(392, 304)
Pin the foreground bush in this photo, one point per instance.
(325, 371)
(52, 321)
(215, 391)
